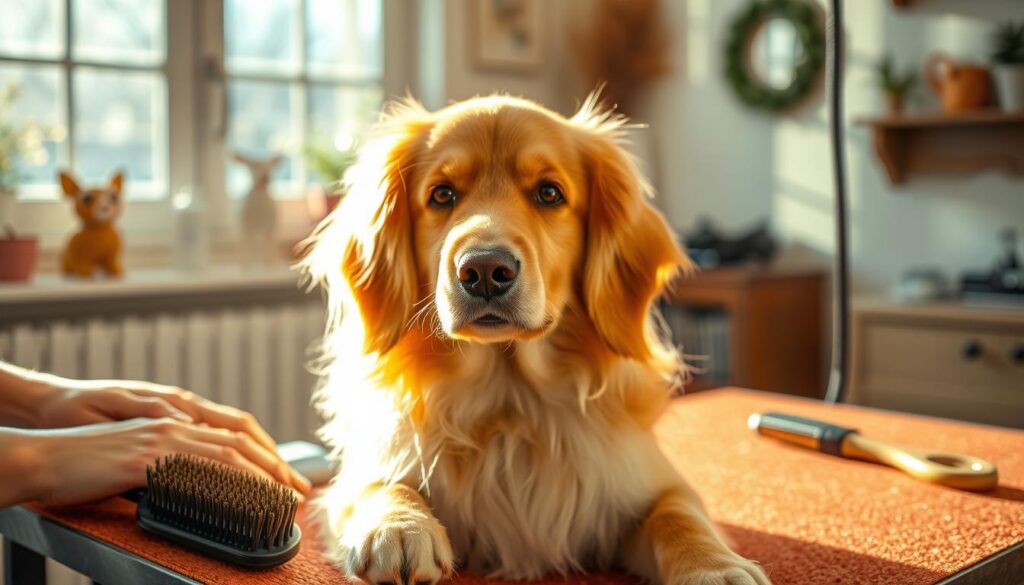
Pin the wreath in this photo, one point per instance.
(753, 91)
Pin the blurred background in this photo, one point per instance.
(191, 97)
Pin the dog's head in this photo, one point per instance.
(100, 205)
(498, 217)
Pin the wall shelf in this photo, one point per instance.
(938, 144)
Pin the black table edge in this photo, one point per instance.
(26, 532)
(103, 562)
(1005, 567)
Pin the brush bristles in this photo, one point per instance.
(220, 503)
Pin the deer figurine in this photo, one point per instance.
(97, 244)
(259, 213)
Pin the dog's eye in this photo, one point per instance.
(87, 199)
(549, 194)
(442, 196)
(113, 198)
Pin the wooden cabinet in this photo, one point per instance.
(775, 318)
(941, 359)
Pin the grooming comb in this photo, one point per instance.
(950, 469)
(231, 515)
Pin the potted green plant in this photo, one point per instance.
(18, 252)
(1008, 65)
(330, 162)
(895, 84)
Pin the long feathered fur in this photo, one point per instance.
(536, 455)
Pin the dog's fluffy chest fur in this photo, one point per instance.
(528, 481)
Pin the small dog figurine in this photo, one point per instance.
(259, 214)
(97, 243)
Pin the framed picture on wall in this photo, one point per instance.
(507, 34)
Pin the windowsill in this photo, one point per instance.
(149, 283)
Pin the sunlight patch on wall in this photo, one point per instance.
(959, 36)
(698, 41)
(803, 218)
(803, 156)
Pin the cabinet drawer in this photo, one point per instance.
(945, 370)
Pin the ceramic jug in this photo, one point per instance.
(961, 87)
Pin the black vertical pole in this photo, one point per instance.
(837, 382)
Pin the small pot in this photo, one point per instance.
(1009, 86)
(18, 258)
(894, 103)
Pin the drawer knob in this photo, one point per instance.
(1017, 354)
(972, 350)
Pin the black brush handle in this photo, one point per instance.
(823, 436)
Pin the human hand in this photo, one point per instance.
(86, 463)
(74, 403)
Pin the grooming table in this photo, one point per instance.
(808, 518)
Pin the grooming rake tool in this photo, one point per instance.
(950, 469)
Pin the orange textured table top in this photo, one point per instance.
(809, 518)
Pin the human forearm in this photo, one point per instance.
(21, 393)
(24, 466)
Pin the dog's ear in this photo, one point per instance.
(68, 185)
(631, 252)
(363, 251)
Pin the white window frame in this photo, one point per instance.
(44, 212)
(293, 213)
(197, 154)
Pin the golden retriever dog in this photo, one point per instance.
(493, 361)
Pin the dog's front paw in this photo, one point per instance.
(734, 571)
(405, 548)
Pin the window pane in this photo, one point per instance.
(260, 126)
(119, 31)
(344, 37)
(259, 36)
(38, 102)
(121, 123)
(33, 28)
(339, 118)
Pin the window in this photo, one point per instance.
(300, 73)
(167, 89)
(95, 69)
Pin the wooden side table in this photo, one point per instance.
(775, 324)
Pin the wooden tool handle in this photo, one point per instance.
(950, 469)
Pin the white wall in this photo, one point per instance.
(724, 160)
(714, 156)
(440, 49)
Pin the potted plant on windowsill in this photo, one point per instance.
(896, 85)
(1008, 68)
(18, 253)
(330, 161)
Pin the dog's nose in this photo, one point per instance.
(488, 273)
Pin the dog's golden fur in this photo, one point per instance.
(526, 447)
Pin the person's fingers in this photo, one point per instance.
(212, 413)
(124, 404)
(248, 448)
(92, 417)
(233, 419)
(221, 453)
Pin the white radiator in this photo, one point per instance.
(253, 358)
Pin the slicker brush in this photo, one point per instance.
(229, 514)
